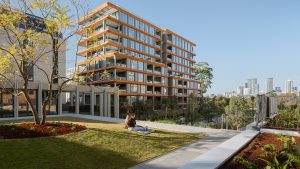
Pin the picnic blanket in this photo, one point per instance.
(140, 129)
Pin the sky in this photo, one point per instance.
(240, 39)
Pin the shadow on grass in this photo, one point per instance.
(58, 152)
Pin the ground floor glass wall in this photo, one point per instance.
(24, 108)
(6, 104)
(68, 102)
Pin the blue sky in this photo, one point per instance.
(240, 39)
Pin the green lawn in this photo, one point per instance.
(102, 145)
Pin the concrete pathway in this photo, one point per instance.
(183, 155)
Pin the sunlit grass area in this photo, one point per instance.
(102, 145)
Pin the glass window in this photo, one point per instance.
(143, 88)
(6, 104)
(140, 77)
(133, 88)
(23, 107)
(130, 76)
(140, 66)
(133, 64)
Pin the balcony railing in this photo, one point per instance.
(149, 92)
(121, 78)
(113, 29)
(98, 19)
(113, 41)
(121, 64)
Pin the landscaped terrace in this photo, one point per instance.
(101, 145)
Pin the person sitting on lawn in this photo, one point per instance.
(130, 124)
(130, 121)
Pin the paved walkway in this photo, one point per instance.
(183, 155)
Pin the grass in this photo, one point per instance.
(102, 145)
(165, 121)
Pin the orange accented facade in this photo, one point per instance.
(146, 62)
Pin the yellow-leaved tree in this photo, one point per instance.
(34, 34)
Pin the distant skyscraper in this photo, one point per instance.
(246, 91)
(269, 85)
(278, 89)
(253, 86)
(289, 86)
(295, 89)
(240, 91)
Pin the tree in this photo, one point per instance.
(237, 112)
(203, 73)
(36, 43)
(191, 108)
(252, 99)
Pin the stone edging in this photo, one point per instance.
(284, 132)
(217, 156)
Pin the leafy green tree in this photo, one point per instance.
(237, 112)
(192, 106)
(204, 74)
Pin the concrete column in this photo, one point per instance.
(101, 100)
(105, 99)
(115, 70)
(40, 100)
(109, 104)
(77, 101)
(116, 105)
(59, 106)
(92, 103)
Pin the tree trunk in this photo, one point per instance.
(166, 113)
(43, 122)
(33, 109)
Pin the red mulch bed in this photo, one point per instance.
(30, 130)
(253, 150)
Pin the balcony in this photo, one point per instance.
(112, 28)
(120, 78)
(149, 92)
(121, 64)
(113, 41)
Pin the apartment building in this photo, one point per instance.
(145, 61)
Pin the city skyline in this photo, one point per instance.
(287, 86)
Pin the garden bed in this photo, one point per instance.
(286, 119)
(30, 130)
(251, 156)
